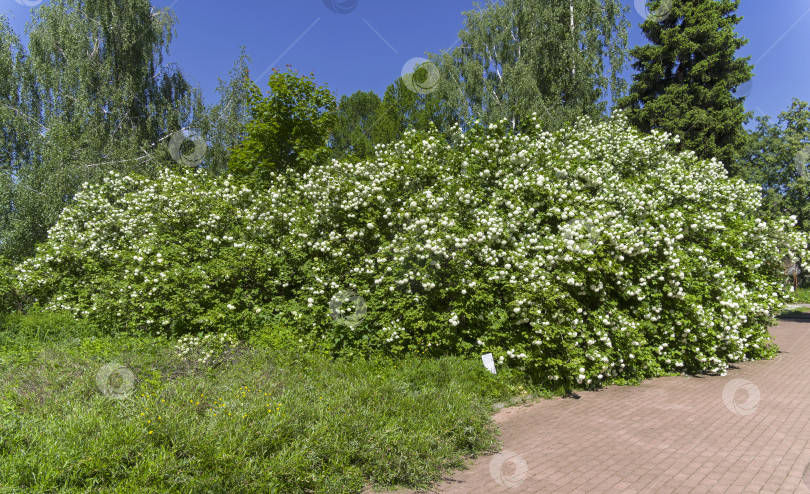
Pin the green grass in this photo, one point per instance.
(802, 296)
(251, 420)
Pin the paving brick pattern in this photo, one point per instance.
(744, 432)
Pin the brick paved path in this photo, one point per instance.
(671, 434)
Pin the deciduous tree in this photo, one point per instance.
(288, 128)
(91, 94)
(777, 157)
(558, 58)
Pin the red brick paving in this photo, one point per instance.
(670, 434)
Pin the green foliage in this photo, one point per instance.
(557, 59)
(175, 255)
(21, 332)
(288, 129)
(10, 297)
(574, 257)
(265, 421)
(776, 157)
(90, 94)
(354, 132)
(280, 329)
(802, 296)
(363, 120)
(410, 103)
(687, 76)
(205, 349)
(224, 123)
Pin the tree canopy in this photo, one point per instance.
(557, 58)
(776, 156)
(90, 94)
(288, 128)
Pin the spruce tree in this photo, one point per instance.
(688, 74)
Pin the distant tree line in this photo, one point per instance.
(93, 93)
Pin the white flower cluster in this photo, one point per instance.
(204, 347)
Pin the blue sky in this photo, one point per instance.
(353, 45)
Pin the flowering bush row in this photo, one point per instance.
(590, 254)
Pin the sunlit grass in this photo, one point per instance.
(253, 420)
(802, 296)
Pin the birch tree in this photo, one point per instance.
(92, 94)
(558, 58)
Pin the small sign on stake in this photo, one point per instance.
(489, 362)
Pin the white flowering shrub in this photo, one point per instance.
(591, 254)
(173, 256)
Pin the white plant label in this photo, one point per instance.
(489, 362)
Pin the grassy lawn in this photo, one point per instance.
(802, 296)
(252, 419)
